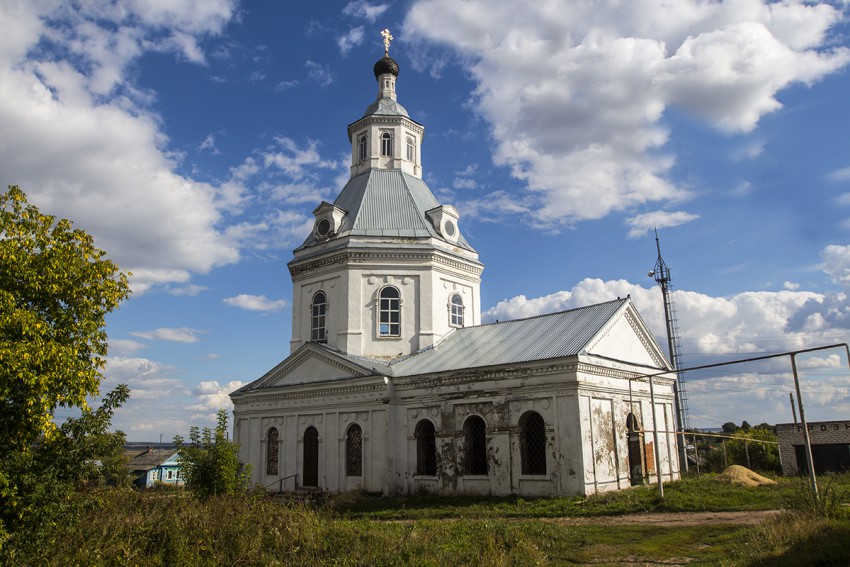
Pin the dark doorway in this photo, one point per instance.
(635, 439)
(831, 457)
(475, 446)
(311, 457)
(532, 440)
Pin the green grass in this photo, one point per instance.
(687, 495)
(112, 527)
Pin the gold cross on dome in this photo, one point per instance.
(387, 39)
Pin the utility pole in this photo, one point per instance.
(661, 274)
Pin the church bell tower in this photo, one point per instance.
(386, 270)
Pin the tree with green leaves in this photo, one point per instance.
(56, 289)
(210, 464)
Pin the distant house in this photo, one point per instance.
(156, 465)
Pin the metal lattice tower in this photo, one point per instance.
(661, 273)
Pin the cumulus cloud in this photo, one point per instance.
(747, 322)
(715, 329)
(255, 302)
(212, 396)
(574, 91)
(350, 40)
(172, 334)
(88, 147)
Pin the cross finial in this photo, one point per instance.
(387, 39)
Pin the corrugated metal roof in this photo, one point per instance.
(524, 340)
(385, 107)
(388, 204)
(383, 202)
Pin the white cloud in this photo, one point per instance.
(125, 346)
(350, 40)
(191, 290)
(295, 161)
(574, 91)
(87, 146)
(319, 73)
(363, 9)
(791, 286)
(839, 175)
(640, 225)
(715, 329)
(743, 323)
(147, 379)
(211, 396)
(255, 302)
(172, 334)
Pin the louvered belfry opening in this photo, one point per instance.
(532, 443)
(426, 448)
(354, 451)
(475, 446)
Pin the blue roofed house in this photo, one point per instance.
(156, 466)
(394, 385)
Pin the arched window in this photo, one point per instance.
(272, 443)
(474, 446)
(532, 440)
(318, 309)
(389, 313)
(411, 149)
(310, 471)
(354, 451)
(426, 448)
(361, 147)
(386, 144)
(456, 317)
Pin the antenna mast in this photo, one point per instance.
(661, 273)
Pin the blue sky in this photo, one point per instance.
(193, 139)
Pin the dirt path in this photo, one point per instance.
(674, 519)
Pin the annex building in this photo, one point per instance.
(394, 385)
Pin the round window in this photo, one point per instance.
(323, 227)
(449, 227)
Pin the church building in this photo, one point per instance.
(393, 384)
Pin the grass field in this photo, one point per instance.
(112, 527)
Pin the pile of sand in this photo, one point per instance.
(736, 474)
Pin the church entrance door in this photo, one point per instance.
(311, 457)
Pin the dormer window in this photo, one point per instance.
(323, 228)
(411, 150)
(387, 144)
(361, 147)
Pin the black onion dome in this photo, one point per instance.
(384, 66)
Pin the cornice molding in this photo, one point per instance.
(300, 268)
